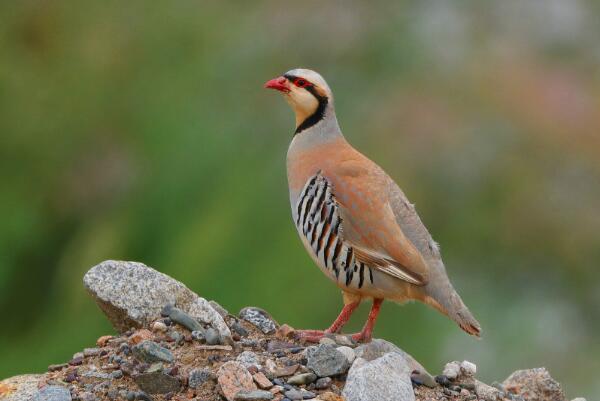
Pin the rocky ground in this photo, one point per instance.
(175, 345)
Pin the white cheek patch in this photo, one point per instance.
(302, 101)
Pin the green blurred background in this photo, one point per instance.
(140, 131)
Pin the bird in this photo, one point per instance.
(353, 219)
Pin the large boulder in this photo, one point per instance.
(132, 294)
(378, 347)
(534, 384)
(383, 379)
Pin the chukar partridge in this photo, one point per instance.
(355, 222)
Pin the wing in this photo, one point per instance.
(369, 224)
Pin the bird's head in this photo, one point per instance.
(308, 94)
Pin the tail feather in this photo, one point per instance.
(442, 296)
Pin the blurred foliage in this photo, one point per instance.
(140, 131)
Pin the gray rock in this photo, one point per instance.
(248, 358)
(133, 295)
(485, 392)
(260, 318)
(451, 370)
(198, 377)
(294, 394)
(378, 347)
(254, 395)
(212, 336)
(180, 317)
(216, 306)
(302, 378)
(468, 368)
(323, 383)
(348, 353)
(150, 352)
(157, 383)
(53, 393)
(384, 379)
(326, 360)
(534, 384)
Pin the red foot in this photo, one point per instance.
(362, 337)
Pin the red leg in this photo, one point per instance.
(336, 326)
(367, 331)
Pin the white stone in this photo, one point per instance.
(384, 379)
(348, 353)
(468, 368)
(451, 370)
(159, 327)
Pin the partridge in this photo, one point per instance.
(354, 220)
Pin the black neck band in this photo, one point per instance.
(319, 112)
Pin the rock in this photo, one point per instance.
(534, 384)
(323, 383)
(212, 336)
(451, 370)
(180, 317)
(285, 331)
(133, 295)
(19, 388)
(53, 393)
(294, 394)
(248, 358)
(198, 377)
(58, 366)
(485, 392)
(150, 352)
(302, 378)
(329, 396)
(348, 353)
(157, 383)
(89, 352)
(140, 335)
(344, 340)
(262, 381)
(377, 348)
(239, 329)
(233, 377)
(159, 327)
(578, 399)
(468, 368)
(384, 379)
(326, 360)
(327, 341)
(103, 341)
(254, 395)
(259, 318)
(220, 310)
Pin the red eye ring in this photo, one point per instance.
(301, 83)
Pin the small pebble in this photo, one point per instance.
(212, 337)
(239, 329)
(117, 374)
(198, 335)
(323, 383)
(294, 394)
(53, 368)
(327, 340)
(303, 378)
(179, 316)
(159, 327)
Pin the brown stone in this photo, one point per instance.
(534, 384)
(103, 341)
(233, 377)
(141, 335)
(329, 396)
(262, 380)
(285, 331)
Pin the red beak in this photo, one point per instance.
(279, 83)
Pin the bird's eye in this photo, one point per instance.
(301, 83)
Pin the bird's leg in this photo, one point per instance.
(336, 326)
(367, 331)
